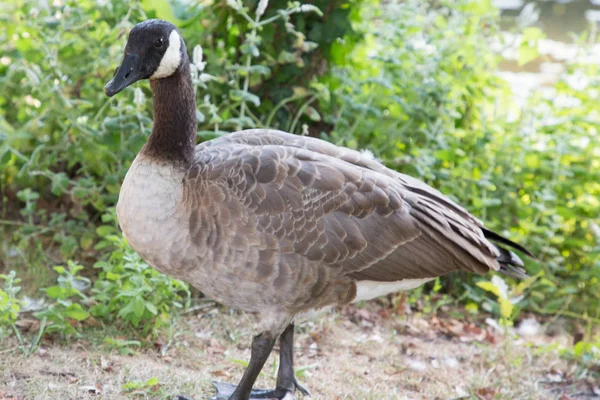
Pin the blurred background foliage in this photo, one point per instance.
(415, 82)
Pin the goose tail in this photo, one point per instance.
(510, 263)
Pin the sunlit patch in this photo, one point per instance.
(32, 101)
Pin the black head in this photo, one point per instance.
(154, 50)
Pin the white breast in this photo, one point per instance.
(149, 209)
(367, 290)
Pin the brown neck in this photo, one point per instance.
(173, 136)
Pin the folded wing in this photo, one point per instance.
(342, 209)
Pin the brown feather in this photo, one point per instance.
(277, 221)
(342, 209)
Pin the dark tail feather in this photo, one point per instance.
(501, 239)
(510, 263)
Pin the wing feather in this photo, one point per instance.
(339, 208)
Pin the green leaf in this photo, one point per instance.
(150, 307)
(138, 306)
(527, 54)
(312, 114)
(103, 244)
(105, 230)
(200, 117)
(445, 155)
(111, 276)
(76, 312)
(489, 202)
(506, 308)
(243, 122)
(240, 95)
(151, 382)
(472, 308)
(260, 69)
(60, 270)
(309, 46)
(249, 48)
(60, 183)
(86, 242)
(56, 292)
(532, 33)
(489, 286)
(286, 57)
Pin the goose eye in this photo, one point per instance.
(159, 43)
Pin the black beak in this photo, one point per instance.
(128, 73)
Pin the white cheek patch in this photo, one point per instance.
(171, 59)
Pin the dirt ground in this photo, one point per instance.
(360, 353)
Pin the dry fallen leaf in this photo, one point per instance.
(318, 336)
(401, 307)
(486, 393)
(106, 365)
(214, 347)
(566, 397)
(42, 352)
(490, 337)
(155, 388)
(91, 321)
(90, 389)
(69, 375)
(4, 396)
(26, 325)
(384, 313)
(554, 377)
(220, 374)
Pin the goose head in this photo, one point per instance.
(154, 50)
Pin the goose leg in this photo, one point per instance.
(262, 345)
(261, 348)
(287, 384)
(286, 377)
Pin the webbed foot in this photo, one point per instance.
(225, 390)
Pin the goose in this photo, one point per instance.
(277, 224)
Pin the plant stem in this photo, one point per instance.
(268, 20)
(255, 25)
(300, 112)
(281, 104)
(246, 84)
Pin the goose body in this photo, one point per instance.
(270, 222)
(279, 224)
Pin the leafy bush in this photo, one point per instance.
(432, 106)
(127, 292)
(129, 289)
(420, 91)
(69, 302)
(65, 146)
(63, 150)
(9, 304)
(586, 353)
